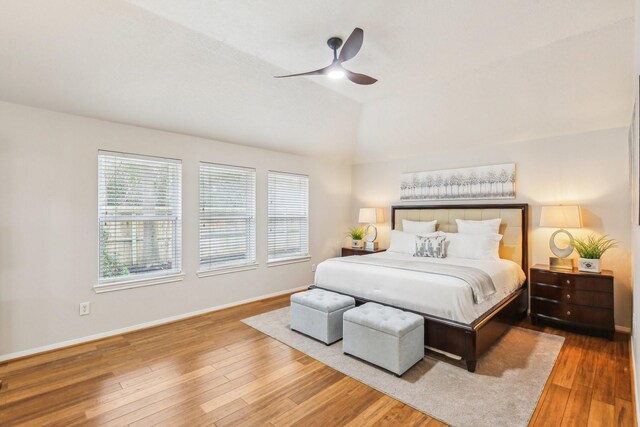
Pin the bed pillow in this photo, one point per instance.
(473, 246)
(466, 226)
(430, 246)
(402, 242)
(419, 226)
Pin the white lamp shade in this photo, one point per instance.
(371, 215)
(561, 217)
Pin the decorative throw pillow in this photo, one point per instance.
(430, 246)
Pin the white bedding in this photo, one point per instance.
(437, 295)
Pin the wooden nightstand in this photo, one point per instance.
(349, 251)
(573, 298)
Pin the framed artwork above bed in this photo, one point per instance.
(475, 183)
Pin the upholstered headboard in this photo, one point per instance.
(514, 225)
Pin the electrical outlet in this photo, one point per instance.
(85, 308)
(313, 267)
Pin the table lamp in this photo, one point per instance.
(561, 217)
(370, 216)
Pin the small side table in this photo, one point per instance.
(573, 298)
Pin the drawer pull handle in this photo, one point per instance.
(568, 282)
(568, 296)
(568, 313)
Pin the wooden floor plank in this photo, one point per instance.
(586, 368)
(576, 413)
(623, 371)
(120, 407)
(138, 410)
(213, 369)
(256, 414)
(623, 413)
(399, 415)
(601, 414)
(553, 406)
(300, 411)
(376, 410)
(566, 366)
(277, 378)
(604, 389)
(339, 411)
(334, 410)
(187, 412)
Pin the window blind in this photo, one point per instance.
(227, 216)
(288, 213)
(139, 215)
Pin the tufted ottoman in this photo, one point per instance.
(390, 338)
(318, 313)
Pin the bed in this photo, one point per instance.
(455, 324)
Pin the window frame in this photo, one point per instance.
(296, 258)
(231, 268)
(144, 279)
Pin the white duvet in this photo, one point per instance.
(434, 294)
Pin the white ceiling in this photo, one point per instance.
(451, 73)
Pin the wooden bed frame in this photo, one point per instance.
(469, 341)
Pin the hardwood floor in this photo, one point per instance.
(214, 370)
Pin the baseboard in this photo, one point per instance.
(623, 329)
(94, 337)
(634, 381)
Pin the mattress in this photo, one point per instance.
(434, 294)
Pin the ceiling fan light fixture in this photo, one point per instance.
(336, 73)
(335, 70)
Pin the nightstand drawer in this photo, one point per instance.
(594, 317)
(572, 296)
(570, 281)
(546, 277)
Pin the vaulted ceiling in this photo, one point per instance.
(451, 74)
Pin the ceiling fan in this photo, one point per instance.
(336, 70)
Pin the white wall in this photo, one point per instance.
(49, 238)
(589, 169)
(635, 229)
(48, 215)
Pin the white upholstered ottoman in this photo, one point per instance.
(318, 313)
(390, 338)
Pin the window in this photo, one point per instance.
(288, 216)
(227, 217)
(139, 214)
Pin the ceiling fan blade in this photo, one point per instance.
(308, 73)
(352, 46)
(361, 79)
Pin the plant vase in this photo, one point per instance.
(589, 265)
(356, 244)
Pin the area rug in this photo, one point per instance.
(503, 391)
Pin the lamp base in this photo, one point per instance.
(370, 246)
(561, 263)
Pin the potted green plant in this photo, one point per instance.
(356, 234)
(590, 249)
